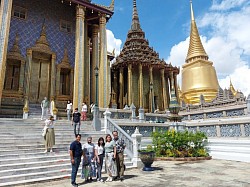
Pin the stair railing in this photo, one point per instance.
(133, 143)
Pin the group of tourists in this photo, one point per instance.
(93, 157)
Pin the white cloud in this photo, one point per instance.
(227, 43)
(226, 4)
(113, 43)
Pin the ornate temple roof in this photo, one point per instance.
(136, 49)
(196, 48)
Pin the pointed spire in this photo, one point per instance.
(112, 5)
(196, 48)
(135, 19)
(15, 47)
(232, 88)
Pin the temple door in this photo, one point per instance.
(40, 80)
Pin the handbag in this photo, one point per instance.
(44, 131)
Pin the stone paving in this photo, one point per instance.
(212, 173)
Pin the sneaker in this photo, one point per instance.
(121, 178)
(51, 150)
(45, 151)
(109, 179)
(75, 185)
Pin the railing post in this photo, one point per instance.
(141, 115)
(132, 107)
(107, 115)
(136, 146)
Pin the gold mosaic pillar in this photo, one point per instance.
(95, 59)
(58, 72)
(53, 77)
(71, 82)
(121, 83)
(151, 81)
(141, 86)
(21, 78)
(103, 90)
(167, 91)
(129, 84)
(79, 58)
(28, 72)
(5, 16)
(86, 83)
(164, 97)
(176, 88)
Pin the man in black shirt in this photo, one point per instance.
(76, 121)
(76, 153)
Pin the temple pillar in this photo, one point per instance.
(86, 68)
(58, 74)
(129, 84)
(21, 78)
(5, 16)
(121, 84)
(167, 92)
(95, 59)
(115, 85)
(151, 82)
(71, 82)
(176, 87)
(103, 89)
(141, 87)
(163, 89)
(27, 72)
(78, 90)
(53, 77)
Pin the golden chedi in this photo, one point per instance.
(198, 74)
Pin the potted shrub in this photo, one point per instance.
(147, 157)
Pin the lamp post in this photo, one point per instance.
(96, 123)
(152, 96)
(96, 85)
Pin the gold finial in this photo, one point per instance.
(112, 5)
(196, 48)
(232, 88)
(135, 19)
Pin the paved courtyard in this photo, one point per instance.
(214, 173)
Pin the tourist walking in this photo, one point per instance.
(76, 153)
(89, 162)
(45, 108)
(49, 137)
(68, 109)
(100, 152)
(120, 146)
(84, 111)
(110, 157)
(76, 122)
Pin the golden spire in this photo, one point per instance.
(232, 88)
(112, 5)
(196, 48)
(135, 19)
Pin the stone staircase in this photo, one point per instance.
(237, 149)
(21, 151)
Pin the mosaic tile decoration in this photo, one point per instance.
(230, 130)
(210, 131)
(247, 129)
(215, 115)
(48, 12)
(239, 112)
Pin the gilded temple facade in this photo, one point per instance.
(52, 48)
(139, 76)
(199, 77)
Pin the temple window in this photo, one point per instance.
(19, 12)
(66, 26)
(12, 77)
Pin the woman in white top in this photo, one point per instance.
(50, 134)
(68, 109)
(84, 111)
(99, 148)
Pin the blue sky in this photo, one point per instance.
(224, 27)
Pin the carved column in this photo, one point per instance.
(164, 97)
(58, 74)
(176, 87)
(71, 82)
(79, 58)
(21, 78)
(53, 77)
(95, 59)
(103, 89)
(86, 83)
(141, 87)
(28, 72)
(5, 16)
(121, 83)
(129, 84)
(168, 90)
(151, 81)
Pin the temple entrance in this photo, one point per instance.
(39, 79)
